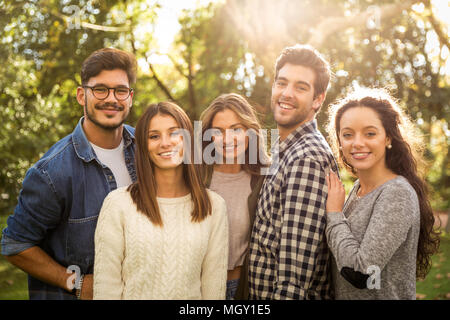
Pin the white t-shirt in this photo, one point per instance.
(114, 159)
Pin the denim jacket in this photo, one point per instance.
(59, 204)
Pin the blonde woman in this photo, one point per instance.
(166, 235)
(234, 172)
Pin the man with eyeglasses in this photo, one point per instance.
(50, 235)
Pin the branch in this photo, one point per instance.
(443, 39)
(159, 82)
(332, 25)
(76, 20)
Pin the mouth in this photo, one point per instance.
(169, 154)
(109, 108)
(360, 155)
(229, 148)
(285, 106)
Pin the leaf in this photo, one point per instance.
(420, 296)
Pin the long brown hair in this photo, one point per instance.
(245, 112)
(404, 158)
(143, 191)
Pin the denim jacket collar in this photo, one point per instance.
(82, 146)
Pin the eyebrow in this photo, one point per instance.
(297, 82)
(368, 127)
(171, 128)
(233, 125)
(104, 85)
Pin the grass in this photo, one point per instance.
(436, 286)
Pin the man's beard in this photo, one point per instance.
(98, 106)
(294, 121)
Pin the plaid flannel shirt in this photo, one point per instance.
(289, 256)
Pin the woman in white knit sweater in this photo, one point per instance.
(166, 235)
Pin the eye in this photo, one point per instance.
(347, 135)
(100, 90)
(371, 134)
(153, 136)
(238, 130)
(301, 89)
(216, 132)
(175, 133)
(280, 83)
(122, 91)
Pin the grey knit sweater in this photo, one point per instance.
(378, 231)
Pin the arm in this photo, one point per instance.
(38, 211)
(302, 228)
(215, 263)
(109, 251)
(387, 230)
(40, 265)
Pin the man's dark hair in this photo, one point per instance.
(108, 59)
(306, 56)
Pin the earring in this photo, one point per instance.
(340, 148)
(389, 146)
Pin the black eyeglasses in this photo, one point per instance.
(102, 92)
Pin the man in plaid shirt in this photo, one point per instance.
(288, 254)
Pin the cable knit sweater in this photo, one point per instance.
(135, 259)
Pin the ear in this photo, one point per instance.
(388, 141)
(80, 95)
(317, 103)
(131, 98)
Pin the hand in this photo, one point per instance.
(336, 193)
(87, 289)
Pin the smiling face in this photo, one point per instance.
(231, 141)
(165, 142)
(109, 113)
(293, 100)
(363, 139)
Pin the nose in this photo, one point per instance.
(111, 97)
(358, 141)
(229, 137)
(166, 141)
(288, 91)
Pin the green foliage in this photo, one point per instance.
(228, 46)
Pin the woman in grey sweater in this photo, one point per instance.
(382, 238)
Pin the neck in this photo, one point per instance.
(106, 139)
(371, 179)
(228, 168)
(170, 183)
(284, 132)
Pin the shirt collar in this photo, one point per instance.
(82, 146)
(307, 127)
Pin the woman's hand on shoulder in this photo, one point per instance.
(336, 193)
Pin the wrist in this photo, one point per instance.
(79, 286)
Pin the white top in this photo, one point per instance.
(135, 259)
(235, 189)
(114, 159)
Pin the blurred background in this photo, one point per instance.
(191, 51)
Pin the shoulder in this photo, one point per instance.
(216, 199)
(399, 188)
(59, 153)
(119, 196)
(398, 195)
(313, 147)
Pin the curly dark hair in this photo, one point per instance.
(404, 158)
